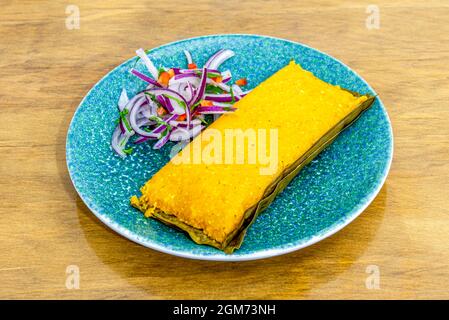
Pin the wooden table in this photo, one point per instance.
(46, 69)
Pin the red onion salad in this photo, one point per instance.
(174, 105)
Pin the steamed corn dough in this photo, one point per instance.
(215, 203)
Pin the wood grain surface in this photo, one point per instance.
(46, 69)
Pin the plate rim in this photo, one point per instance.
(263, 254)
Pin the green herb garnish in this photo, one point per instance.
(232, 95)
(152, 97)
(160, 70)
(160, 122)
(128, 151)
(208, 73)
(124, 119)
(203, 121)
(213, 89)
(195, 105)
(165, 132)
(179, 101)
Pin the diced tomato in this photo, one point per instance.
(171, 73)
(182, 117)
(161, 111)
(218, 79)
(192, 66)
(206, 103)
(241, 82)
(164, 77)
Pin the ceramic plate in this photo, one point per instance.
(327, 194)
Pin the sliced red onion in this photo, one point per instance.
(174, 105)
(184, 124)
(150, 66)
(219, 84)
(176, 87)
(148, 110)
(192, 92)
(159, 129)
(201, 89)
(162, 91)
(186, 75)
(124, 139)
(133, 101)
(162, 141)
(224, 97)
(212, 57)
(168, 105)
(177, 108)
(123, 100)
(145, 78)
(196, 71)
(186, 89)
(214, 110)
(171, 117)
(142, 101)
(222, 104)
(139, 102)
(161, 100)
(181, 134)
(136, 128)
(162, 127)
(226, 76)
(237, 90)
(183, 79)
(218, 58)
(117, 141)
(122, 126)
(145, 122)
(218, 97)
(188, 57)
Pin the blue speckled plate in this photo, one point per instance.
(327, 195)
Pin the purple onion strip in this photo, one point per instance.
(145, 78)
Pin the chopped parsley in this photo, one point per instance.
(128, 151)
(213, 89)
(179, 101)
(203, 121)
(160, 122)
(160, 70)
(124, 119)
(232, 95)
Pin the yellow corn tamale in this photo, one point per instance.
(216, 202)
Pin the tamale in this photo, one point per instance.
(215, 203)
